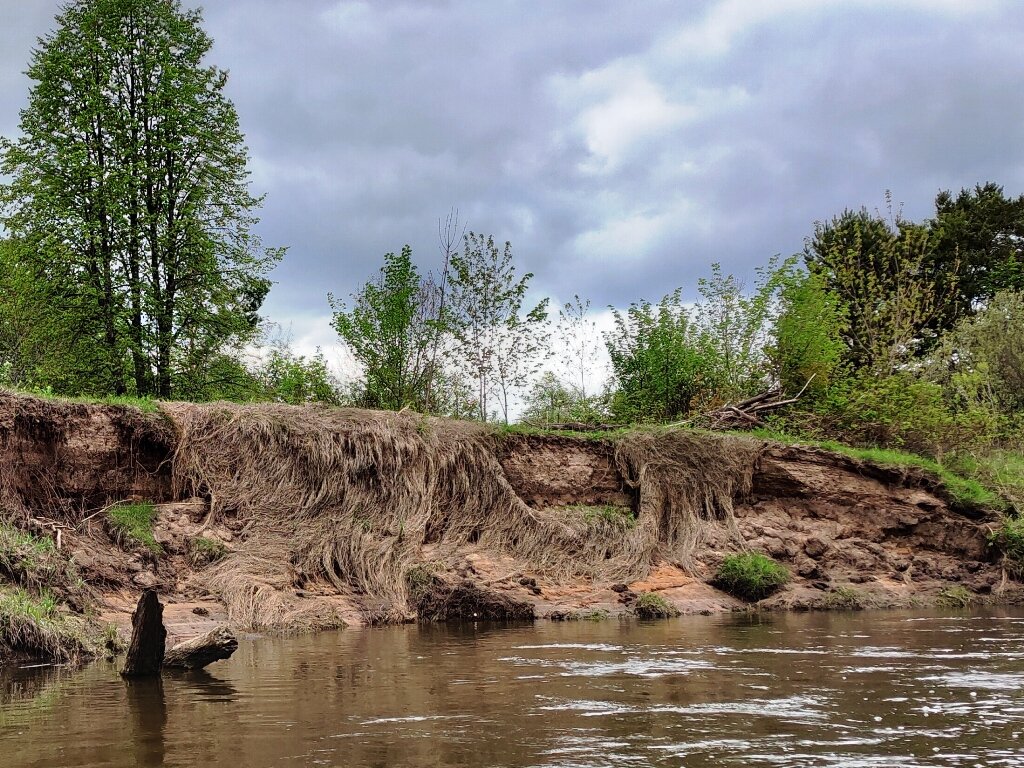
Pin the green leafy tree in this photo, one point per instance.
(499, 343)
(737, 325)
(878, 270)
(663, 365)
(131, 173)
(807, 347)
(982, 358)
(580, 341)
(287, 377)
(391, 329)
(980, 238)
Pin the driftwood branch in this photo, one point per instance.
(747, 413)
(196, 653)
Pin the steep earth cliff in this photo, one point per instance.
(282, 518)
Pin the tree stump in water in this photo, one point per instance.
(200, 651)
(146, 652)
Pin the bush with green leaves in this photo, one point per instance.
(1009, 539)
(652, 606)
(750, 575)
(132, 525)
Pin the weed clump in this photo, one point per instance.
(843, 599)
(750, 576)
(34, 562)
(132, 525)
(36, 627)
(652, 606)
(957, 596)
(203, 551)
(1009, 538)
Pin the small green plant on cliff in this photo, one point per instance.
(203, 551)
(132, 524)
(420, 582)
(33, 561)
(619, 517)
(652, 606)
(1009, 539)
(750, 575)
(843, 599)
(36, 627)
(957, 596)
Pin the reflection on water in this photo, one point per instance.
(868, 689)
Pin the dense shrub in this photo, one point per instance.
(652, 606)
(750, 576)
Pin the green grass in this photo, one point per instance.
(33, 561)
(750, 576)
(132, 524)
(1009, 539)
(203, 551)
(652, 606)
(596, 435)
(956, 596)
(965, 491)
(619, 517)
(145, 404)
(1000, 470)
(843, 599)
(35, 626)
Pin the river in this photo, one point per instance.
(858, 689)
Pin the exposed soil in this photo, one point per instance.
(850, 533)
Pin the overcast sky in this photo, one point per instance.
(621, 147)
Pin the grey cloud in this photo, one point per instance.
(621, 148)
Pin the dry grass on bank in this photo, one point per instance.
(349, 497)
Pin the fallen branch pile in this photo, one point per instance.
(748, 413)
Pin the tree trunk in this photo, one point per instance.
(146, 652)
(200, 651)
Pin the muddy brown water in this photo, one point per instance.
(863, 689)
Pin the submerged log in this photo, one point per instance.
(146, 652)
(196, 653)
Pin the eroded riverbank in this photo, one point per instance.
(277, 518)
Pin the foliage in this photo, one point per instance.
(663, 366)
(807, 343)
(981, 360)
(36, 626)
(390, 330)
(1009, 538)
(978, 234)
(1001, 470)
(737, 325)
(878, 271)
(129, 182)
(652, 606)
(500, 345)
(133, 524)
(550, 401)
(287, 377)
(34, 562)
(956, 596)
(579, 339)
(617, 517)
(750, 575)
(202, 551)
(844, 598)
